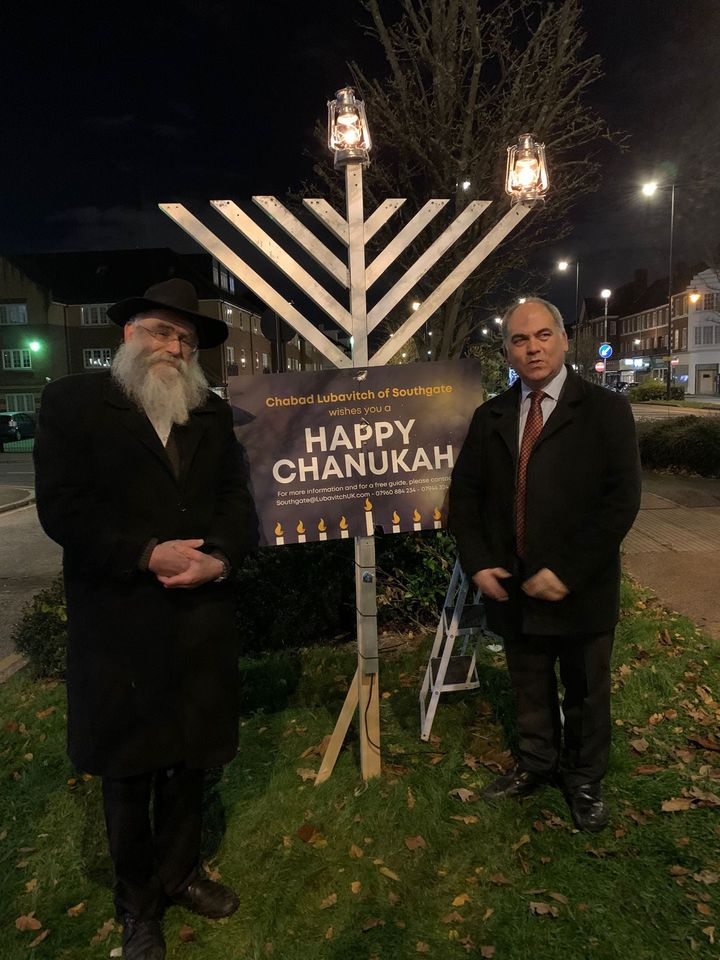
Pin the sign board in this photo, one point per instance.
(600, 366)
(605, 351)
(337, 453)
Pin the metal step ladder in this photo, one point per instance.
(462, 618)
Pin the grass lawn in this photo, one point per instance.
(403, 867)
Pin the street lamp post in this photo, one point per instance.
(562, 267)
(605, 294)
(648, 190)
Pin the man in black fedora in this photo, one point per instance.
(139, 478)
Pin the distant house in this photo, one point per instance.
(53, 318)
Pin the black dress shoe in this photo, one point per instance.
(208, 899)
(515, 783)
(587, 807)
(142, 939)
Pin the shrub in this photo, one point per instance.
(41, 632)
(690, 444)
(651, 389)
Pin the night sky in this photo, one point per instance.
(109, 108)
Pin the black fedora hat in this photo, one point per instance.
(178, 296)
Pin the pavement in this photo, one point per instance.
(673, 548)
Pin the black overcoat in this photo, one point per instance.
(583, 493)
(152, 672)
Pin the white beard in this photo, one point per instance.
(166, 392)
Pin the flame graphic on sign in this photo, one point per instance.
(368, 505)
(278, 529)
(436, 514)
(343, 523)
(416, 516)
(395, 517)
(321, 526)
(300, 528)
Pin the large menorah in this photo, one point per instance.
(354, 232)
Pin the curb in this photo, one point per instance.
(15, 505)
(10, 665)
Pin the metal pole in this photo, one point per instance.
(605, 340)
(670, 285)
(577, 310)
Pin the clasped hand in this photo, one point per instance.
(543, 585)
(179, 564)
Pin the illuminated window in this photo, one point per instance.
(17, 360)
(96, 358)
(95, 315)
(11, 313)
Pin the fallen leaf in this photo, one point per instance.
(435, 759)
(678, 871)
(706, 876)
(319, 748)
(39, 938)
(461, 899)
(453, 917)
(640, 745)
(371, 923)
(306, 832)
(28, 921)
(356, 852)
(560, 897)
(470, 761)
(488, 913)
(415, 843)
(487, 952)
(305, 773)
(542, 909)
(387, 872)
(410, 799)
(703, 908)
(677, 803)
(705, 743)
(648, 768)
(462, 793)
(393, 898)
(468, 820)
(499, 880)
(421, 947)
(329, 901)
(356, 886)
(709, 933)
(76, 910)
(41, 714)
(186, 934)
(329, 933)
(31, 885)
(521, 842)
(103, 932)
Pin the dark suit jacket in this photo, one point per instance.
(583, 493)
(152, 673)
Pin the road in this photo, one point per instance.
(28, 562)
(661, 411)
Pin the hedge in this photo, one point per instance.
(682, 444)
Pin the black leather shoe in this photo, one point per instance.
(208, 899)
(587, 807)
(515, 783)
(142, 939)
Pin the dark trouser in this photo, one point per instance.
(580, 750)
(153, 862)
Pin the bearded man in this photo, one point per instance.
(140, 480)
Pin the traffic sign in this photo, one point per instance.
(605, 351)
(600, 366)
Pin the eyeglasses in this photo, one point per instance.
(167, 335)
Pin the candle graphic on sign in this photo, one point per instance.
(343, 528)
(369, 526)
(396, 522)
(322, 529)
(437, 517)
(279, 539)
(416, 520)
(300, 532)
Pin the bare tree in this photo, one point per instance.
(463, 82)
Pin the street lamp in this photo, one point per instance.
(649, 189)
(605, 294)
(563, 266)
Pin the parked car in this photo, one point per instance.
(16, 426)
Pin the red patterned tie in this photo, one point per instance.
(533, 426)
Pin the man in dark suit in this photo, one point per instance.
(546, 486)
(139, 478)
